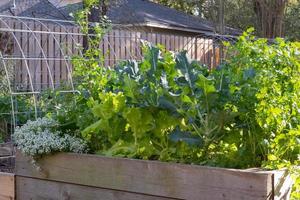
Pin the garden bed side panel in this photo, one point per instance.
(138, 177)
(37, 189)
(7, 186)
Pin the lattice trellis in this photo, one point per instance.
(35, 56)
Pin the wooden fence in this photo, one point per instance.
(39, 51)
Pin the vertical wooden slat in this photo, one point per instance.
(70, 51)
(105, 50)
(44, 71)
(127, 45)
(172, 42)
(197, 49)
(38, 63)
(117, 45)
(139, 45)
(181, 46)
(56, 54)
(64, 45)
(176, 43)
(204, 51)
(112, 48)
(167, 42)
(123, 45)
(16, 53)
(30, 51)
(154, 38)
(163, 40)
(49, 46)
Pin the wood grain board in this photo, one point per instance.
(7, 186)
(149, 178)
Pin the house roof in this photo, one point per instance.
(127, 12)
(144, 12)
(33, 8)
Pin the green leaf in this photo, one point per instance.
(206, 85)
(180, 136)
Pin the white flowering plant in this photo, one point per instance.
(42, 137)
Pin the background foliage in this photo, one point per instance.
(239, 14)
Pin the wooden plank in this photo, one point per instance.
(45, 43)
(176, 43)
(22, 45)
(149, 37)
(6, 149)
(7, 186)
(127, 45)
(38, 54)
(172, 43)
(106, 52)
(35, 189)
(69, 53)
(282, 185)
(18, 63)
(31, 54)
(181, 43)
(117, 45)
(149, 177)
(157, 38)
(112, 53)
(167, 42)
(134, 45)
(49, 44)
(163, 40)
(56, 53)
(138, 45)
(122, 45)
(64, 63)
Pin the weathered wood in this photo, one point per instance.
(6, 149)
(7, 186)
(282, 185)
(36, 189)
(119, 44)
(150, 177)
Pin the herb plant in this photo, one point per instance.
(41, 137)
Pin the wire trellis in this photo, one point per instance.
(36, 54)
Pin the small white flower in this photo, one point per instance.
(40, 137)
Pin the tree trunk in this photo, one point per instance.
(270, 15)
(221, 14)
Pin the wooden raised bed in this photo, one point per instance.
(88, 177)
(7, 186)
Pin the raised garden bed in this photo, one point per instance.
(7, 186)
(76, 176)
